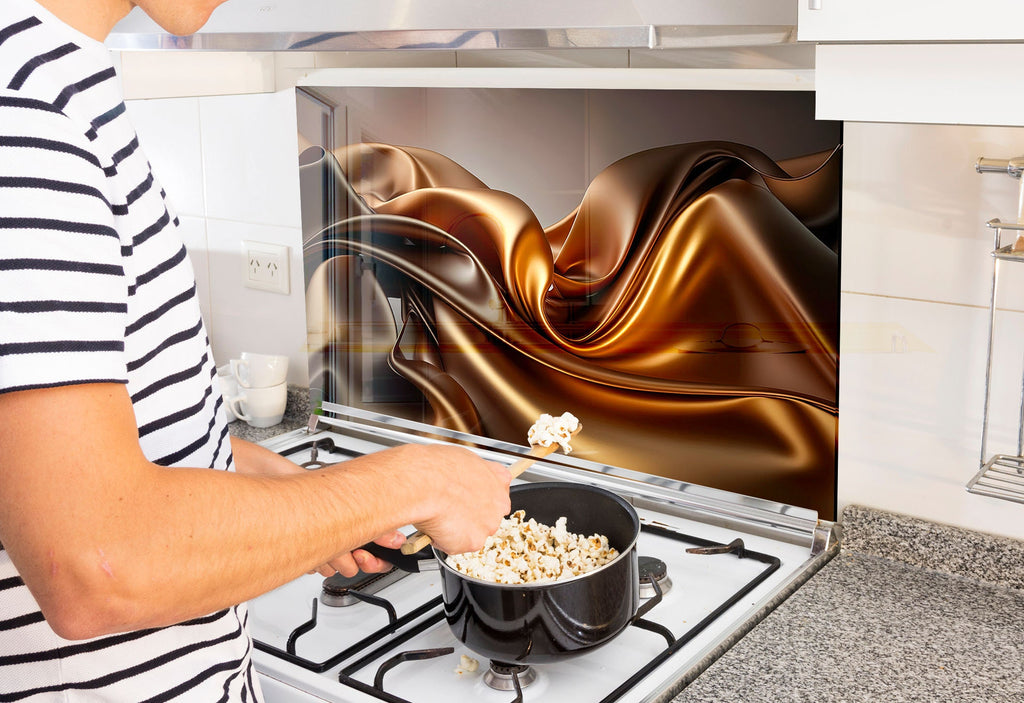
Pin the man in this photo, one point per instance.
(124, 555)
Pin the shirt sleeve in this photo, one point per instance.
(63, 290)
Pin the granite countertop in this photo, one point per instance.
(296, 415)
(909, 610)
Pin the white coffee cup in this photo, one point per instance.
(228, 387)
(260, 370)
(260, 407)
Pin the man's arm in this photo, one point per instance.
(250, 458)
(107, 541)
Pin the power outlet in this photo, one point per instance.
(265, 266)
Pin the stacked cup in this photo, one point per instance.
(262, 392)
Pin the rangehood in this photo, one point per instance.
(363, 25)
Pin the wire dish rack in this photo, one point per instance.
(1001, 475)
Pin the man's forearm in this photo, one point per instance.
(108, 541)
(219, 538)
(251, 458)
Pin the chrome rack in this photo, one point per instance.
(1001, 475)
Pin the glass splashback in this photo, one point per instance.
(662, 264)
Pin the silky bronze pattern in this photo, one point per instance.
(686, 311)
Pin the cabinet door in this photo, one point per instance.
(910, 20)
(935, 83)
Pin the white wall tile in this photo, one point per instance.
(169, 74)
(250, 158)
(911, 401)
(168, 130)
(914, 210)
(193, 233)
(293, 67)
(245, 319)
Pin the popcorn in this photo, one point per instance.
(525, 551)
(550, 430)
(467, 665)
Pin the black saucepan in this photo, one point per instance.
(543, 622)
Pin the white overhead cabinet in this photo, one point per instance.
(910, 20)
(928, 61)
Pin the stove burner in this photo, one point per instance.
(653, 568)
(501, 676)
(338, 590)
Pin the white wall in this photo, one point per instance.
(916, 280)
(230, 167)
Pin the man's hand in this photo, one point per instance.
(467, 497)
(351, 563)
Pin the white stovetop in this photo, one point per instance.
(698, 585)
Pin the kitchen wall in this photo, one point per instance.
(916, 280)
(915, 284)
(229, 165)
(227, 155)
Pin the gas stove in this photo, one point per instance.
(712, 565)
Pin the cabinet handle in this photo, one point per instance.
(813, 4)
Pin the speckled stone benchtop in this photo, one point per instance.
(908, 611)
(296, 414)
(929, 545)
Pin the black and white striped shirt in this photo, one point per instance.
(95, 286)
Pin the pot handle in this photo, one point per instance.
(414, 563)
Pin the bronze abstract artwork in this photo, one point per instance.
(686, 310)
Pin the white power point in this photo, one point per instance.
(265, 266)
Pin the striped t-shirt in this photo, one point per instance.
(95, 286)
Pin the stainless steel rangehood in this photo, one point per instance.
(360, 25)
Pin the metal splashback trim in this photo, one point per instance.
(571, 78)
(349, 25)
(626, 37)
(778, 520)
(641, 36)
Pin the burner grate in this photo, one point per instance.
(385, 643)
(369, 640)
(771, 563)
